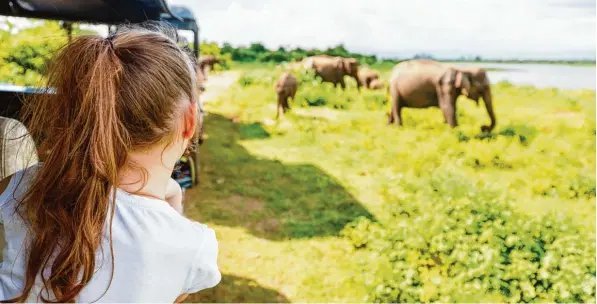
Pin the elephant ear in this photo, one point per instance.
(458, 80)
(345, 65)
(463, 82)
(350, 65)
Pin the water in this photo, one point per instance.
(542, 75)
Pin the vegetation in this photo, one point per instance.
(331, 204)
(23, 54)
(257, 52)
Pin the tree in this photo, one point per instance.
(227, 48)
(24, 54)
(258, 48)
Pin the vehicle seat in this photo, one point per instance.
(17, 149)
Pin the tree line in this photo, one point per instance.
(24, 52)
(257, 52)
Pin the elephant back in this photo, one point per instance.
(286, 81)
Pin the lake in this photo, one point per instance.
(542, 75)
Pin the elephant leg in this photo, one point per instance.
(396, 110)
(449, 109)
(286, 104)
(279, 107)
(396, 115)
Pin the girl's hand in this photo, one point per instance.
(174, 195)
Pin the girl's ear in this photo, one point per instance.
(190, 121)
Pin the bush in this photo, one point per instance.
(258, 78)
(23, 56)
(257, 52)
(453, 241)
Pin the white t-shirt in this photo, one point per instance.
(158, 253)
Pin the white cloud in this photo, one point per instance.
(490, 28)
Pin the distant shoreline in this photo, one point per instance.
(560, 62)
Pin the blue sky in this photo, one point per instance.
(489, 28)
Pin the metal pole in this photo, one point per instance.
(196, 42)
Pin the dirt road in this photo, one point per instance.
(218, 83)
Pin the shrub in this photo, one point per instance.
(23, 56)
(258, 78)
(450, 240)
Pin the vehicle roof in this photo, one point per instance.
(98, 11)
(185, 20)
(88, 11)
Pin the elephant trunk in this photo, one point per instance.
(489, 106)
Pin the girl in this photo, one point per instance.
(93, 221)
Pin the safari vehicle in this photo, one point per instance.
(13, 153)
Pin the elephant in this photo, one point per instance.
(286, 87)
(207, 63)
(376, 84)
(201, 78)
(366, 76)
(333, 69)
(422, 83)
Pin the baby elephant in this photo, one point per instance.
(366, 76)
(376, 84)
(286, 87)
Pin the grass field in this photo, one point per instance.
(279, 193)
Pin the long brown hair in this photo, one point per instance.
(110, 96)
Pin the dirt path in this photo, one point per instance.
(217, 83)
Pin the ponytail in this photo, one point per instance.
(71, 193)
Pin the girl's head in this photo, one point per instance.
(131, 93)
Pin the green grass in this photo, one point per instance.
(278, 193)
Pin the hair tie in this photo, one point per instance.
(109, 39)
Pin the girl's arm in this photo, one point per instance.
(174, 195)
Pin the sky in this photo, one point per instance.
(525, 29)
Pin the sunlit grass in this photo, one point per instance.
(279, 192)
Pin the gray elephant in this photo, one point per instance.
(286, 87)
(207, 63)
(376, 84)
(366, 76)
(423, 83)
(333, 69)
(201, 78)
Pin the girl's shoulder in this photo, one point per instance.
(15, 185)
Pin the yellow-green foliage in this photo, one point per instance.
(212, 48)
(339, 206)
(24, 54)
